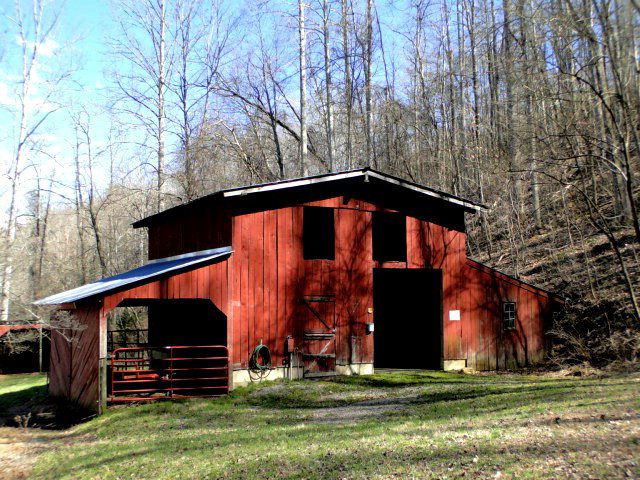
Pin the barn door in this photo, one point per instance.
(319, 336)
(408, 318)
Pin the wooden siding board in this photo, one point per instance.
(75, 363)
(281, 276)
(271, 281)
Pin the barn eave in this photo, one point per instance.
(363, 174)
(152, 270)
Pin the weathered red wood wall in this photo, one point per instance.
(268, 277)
(191, 230)
(208, 282)
(490, 346)
(75, 355)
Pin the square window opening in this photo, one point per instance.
(318, 233)
(509, 313)
(389, 237)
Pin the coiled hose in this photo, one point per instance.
(260, 360)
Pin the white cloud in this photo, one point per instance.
(7, 96)
(46, 49)
(49, 47)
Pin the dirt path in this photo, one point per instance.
(19, 449)
(357, 411)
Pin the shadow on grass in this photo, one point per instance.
(400, 380)
(242, 453)
(22, 398)
(236, 438)
(434, 389)
(34, 405)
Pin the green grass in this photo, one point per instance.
(17, 390)
(416, 425)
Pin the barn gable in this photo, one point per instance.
(206, 222)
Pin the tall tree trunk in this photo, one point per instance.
(79, 208)
(303, 88)
(368, 56)
(347, 80)
(161, 92)
(326, 12)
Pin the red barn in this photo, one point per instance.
(336, 274)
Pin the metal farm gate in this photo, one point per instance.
(154, 373)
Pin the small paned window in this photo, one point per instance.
(509, 315)
(389, 237)
(318, 233)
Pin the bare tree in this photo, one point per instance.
(34, 105)
(303, 86)
(142, 43)
(348, 87)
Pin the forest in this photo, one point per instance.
(531, 107)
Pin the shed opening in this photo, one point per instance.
(167, 348)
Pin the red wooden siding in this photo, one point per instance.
(74, 371)
(490, 346)
(209, 282)
(270, 277)
(263, 286)
(197, 228)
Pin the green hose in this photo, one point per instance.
(260, 358)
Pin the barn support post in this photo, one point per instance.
(40, 349)
(102, 401)
(102, 362)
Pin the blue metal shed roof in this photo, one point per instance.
(143, 274)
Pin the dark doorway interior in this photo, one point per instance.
(408, 318)
(186, 322)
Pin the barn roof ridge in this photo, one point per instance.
(365, 173)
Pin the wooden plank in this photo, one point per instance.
(365, 342)
(282, 233)
(258, 280)
(270, 283)
(289, 326)
(243, 271)
(235, 273)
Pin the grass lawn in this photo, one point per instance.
(394, 425)
(16, 390)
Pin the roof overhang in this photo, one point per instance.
(151, 271)
(366, 174)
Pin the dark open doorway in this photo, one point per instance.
(186, 322)
(408, 318)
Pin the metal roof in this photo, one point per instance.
(366, 174)
(143, 274)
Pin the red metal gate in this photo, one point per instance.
(153, 373)
(319, 336)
